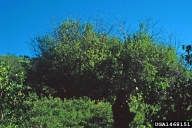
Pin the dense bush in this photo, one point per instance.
(97, 63)
(55, 113)
(12, 109)
(83, 112)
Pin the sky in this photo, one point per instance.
(23, 20)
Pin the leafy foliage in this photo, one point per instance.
(78, 63)
(11, 96)
(17, 67)
(97, 64)
(70, 113)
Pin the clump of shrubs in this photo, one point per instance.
(54, 112)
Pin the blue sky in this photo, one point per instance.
(21, 20)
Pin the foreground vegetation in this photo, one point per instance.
(78, 69)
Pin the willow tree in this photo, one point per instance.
(77, 59)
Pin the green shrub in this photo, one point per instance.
(144, 112)
(54, 113)
(12, 109)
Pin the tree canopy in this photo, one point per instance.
(77, 58)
